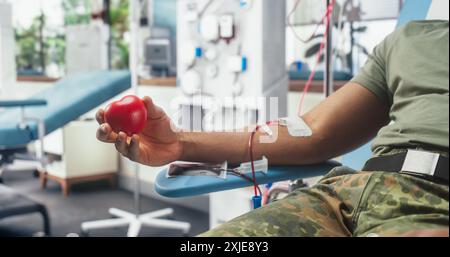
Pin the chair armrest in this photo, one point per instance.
(193, 186)
(23, 103)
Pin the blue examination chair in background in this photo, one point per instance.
(25, 121)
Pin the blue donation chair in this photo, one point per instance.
(192, 186)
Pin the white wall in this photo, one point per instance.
(7, 46)
(439, 10)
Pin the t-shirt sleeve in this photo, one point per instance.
(373, 75)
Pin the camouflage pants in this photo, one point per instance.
(347, 203)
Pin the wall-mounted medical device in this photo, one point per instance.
(159, 51)
(230, 49)
(226, 26)
(7, 46)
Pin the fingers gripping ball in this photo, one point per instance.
(128, 115)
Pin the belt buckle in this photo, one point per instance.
(420, 162)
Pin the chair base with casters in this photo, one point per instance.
(11, 157)
(14, 204)
(136, 222)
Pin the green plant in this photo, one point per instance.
(119, 26)
(76, 12)
(37, 46)
(31, 46)
(79, 12)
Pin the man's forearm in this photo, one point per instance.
(234, 147)
(347, 119)
(213, 147)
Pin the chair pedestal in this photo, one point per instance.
(136, 222)
(1, 173)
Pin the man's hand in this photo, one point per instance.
(157, 145)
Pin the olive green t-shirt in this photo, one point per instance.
(409, 71)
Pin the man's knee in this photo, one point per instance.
(300, 214)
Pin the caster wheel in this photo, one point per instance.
(84, 233)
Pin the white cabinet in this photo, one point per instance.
(83, 157)
(86, 48)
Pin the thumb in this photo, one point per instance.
(154, 112)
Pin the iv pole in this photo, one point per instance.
(134, 46)
(328, 81)
(135, 221)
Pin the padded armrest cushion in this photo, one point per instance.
(193, 186)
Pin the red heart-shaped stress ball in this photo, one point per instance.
(128, 115)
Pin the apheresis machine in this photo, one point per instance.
(231, 62)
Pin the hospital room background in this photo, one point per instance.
(71, 57)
